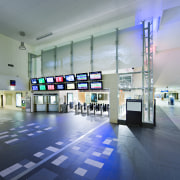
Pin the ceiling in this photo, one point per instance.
(67, 17)
(72, 19)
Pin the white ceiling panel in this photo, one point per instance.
(39, 17)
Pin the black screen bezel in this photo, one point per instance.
(59, 76)
(82, 83)
(80, 74)
(35, 85)
(94, 83)
(95, 72)
(70, 75)
(61, 84)
(50, 77)
(35, 79)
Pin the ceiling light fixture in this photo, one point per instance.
(44, 36)
(22, 46)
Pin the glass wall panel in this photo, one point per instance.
(130, 48)
(52, 99)
(39, 100)
(33, 70)
(63, 65)
(129, 81)
(48, 62)
(36, 67)
(18, 99)
(82, 56)
(104, 53)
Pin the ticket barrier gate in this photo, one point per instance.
(97, 109)
(70, 107)
(106, 107)
(78, 108)
(63, 108)
(91, 109)
(84, 108)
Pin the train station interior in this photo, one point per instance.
(89, 90)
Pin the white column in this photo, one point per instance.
(110, 81)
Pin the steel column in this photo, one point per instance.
(71, 57)
(92, 52)
(117, 43)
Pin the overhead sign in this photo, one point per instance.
(164, 91)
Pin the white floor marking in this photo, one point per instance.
(6, 132)
(5, 136)
(59, 160)
(29, 165)
(53, 149)
(97, 154)
(108, 151)
(14, 135)
(39, 131)
(59, 143)
(30, 134)
(75, 148)
(10, 169)
(107, 141)
(115, 139)
(11, 141)
(22, 131)
(38, 154)
(98, 136)
(80, 171)
(32, 124)
(94, 163)
(49, 128)
(12, 129)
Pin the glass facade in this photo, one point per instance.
(63, 55)
(82, 56)
(126, 52)
(104, 53)
(48, 62)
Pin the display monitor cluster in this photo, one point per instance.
(80, 81)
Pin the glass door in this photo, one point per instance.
(18, 99)
(69, 98)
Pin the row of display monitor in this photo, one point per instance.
(69, 86)
(68, 78)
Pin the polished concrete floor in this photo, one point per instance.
(42, 146)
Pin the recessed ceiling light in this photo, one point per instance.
(44, 36)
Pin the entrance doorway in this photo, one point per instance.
(46, 102)
(69, 98)
(2, 103)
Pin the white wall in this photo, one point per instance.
(10, 54)
(167, 68)
(167, 55)
(11, 106)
